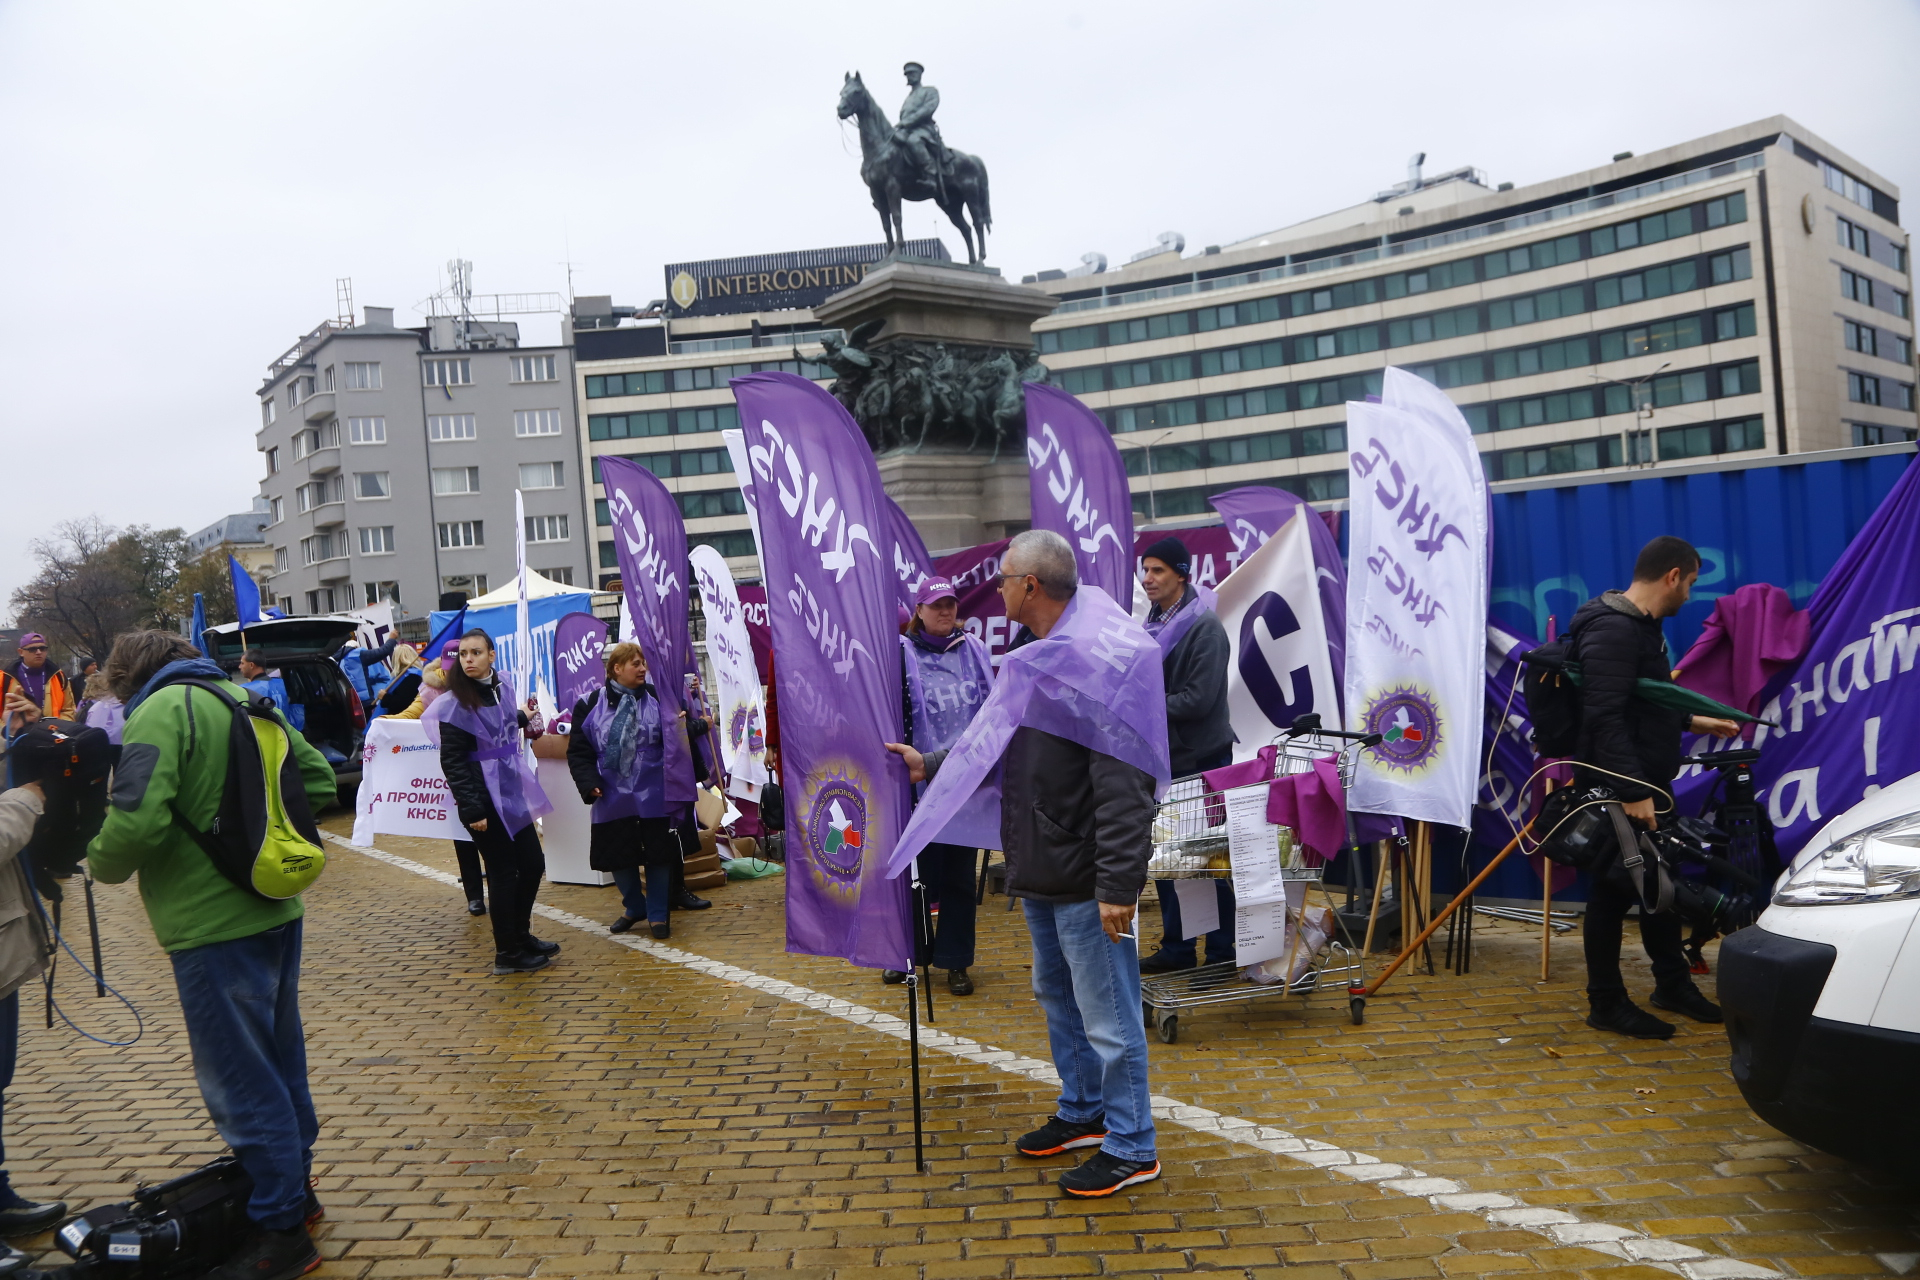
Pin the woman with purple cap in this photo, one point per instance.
(477, 724)
(948, 676)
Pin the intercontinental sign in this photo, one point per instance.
(778, 281)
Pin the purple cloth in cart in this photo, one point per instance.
(1367, 827)
(1315, 805)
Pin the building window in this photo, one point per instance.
(371, 484)
(450, 426)
(1902, 349)
(279, 559)
(378, 591)
(1854, 236)
(546, 528)
(278, 508)
(1855, 287)
(1863, 338)
(1901, 306)
(733, 544)
(531, 369)
(609, 556)
(273, 460)
(366, 430)
(1709, 438)
(536, 422)
(1863, 389)
(450, 480)
(463, 533)
(363, 375)
(543, 475)
(322, 546)
(268, 409)
(326, 377)
(564, 574)
(376, 540)
(1728, 267)
(474, 584)
(650, 383)
(1865, 433)
(1843, 183)
(717, 502)
(1903, 396)
(447, 373)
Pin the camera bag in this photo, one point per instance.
(1553, 699)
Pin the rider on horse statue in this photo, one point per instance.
(918, 135)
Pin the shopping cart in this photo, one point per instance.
(1190, 842)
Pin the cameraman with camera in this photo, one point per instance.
(1632, 748)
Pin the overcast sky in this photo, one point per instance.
(184, 182)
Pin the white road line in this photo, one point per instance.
(1442, 1193)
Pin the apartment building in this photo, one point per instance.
(392, 456)
(1741, 294)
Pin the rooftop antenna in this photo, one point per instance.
(343, 301)
(460, 287)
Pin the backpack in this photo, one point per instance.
(1553, 699)
(263, 836)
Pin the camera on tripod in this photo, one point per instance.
(1691, 850)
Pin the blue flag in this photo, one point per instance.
(455, 628)
(197, 629)
(246, 594)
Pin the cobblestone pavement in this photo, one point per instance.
(617, 1113)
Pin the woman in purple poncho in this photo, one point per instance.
(478, 727)
(617, 756)
(948, 676)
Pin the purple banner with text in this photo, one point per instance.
(832, 593)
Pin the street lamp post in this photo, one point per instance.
(1147, 449)
(1637, 409)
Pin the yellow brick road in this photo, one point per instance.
(619, 1114)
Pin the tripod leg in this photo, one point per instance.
(93, 930)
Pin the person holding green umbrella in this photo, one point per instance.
(1629, 742)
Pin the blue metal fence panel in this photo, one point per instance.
(1554, 548)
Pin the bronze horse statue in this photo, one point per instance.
(888, 172)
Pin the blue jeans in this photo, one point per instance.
(1185, 950)
(654, 905)
(1090, 989)
(241, 1002)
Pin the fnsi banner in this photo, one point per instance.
(402, 791)
(1416, 602)
(832, 596)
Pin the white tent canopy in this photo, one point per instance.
(509, 592)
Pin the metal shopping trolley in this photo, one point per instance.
(1190, 842)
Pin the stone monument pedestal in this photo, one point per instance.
(947, 346)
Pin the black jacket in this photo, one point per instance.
(1619, 732)
(583, 758)
(1195, 673)
(464, 779)
(1074, 823)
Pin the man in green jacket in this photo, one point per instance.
(236, 955)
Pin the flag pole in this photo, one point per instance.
(922, 936)
(913, 1058)
(1463, 896)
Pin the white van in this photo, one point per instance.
(1822, 996)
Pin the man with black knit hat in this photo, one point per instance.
(1193, 664)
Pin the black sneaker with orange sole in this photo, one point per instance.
(1106, 1173)
(1058, 1135)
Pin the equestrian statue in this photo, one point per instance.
(908, 161)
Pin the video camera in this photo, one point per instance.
(71, 763)
(174, 1231)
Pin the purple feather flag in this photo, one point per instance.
(650, 540)
(832, 600)
(1080, 489)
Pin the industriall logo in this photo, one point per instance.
(1408, 722)
(836, 825)
(418, 746)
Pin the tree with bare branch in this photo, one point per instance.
(96, 581)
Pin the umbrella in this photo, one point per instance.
(1676, 697)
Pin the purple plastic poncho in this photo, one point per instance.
(1094, 680)
(641, 792)
(499, 752)
(1170, 629)
(947, 690)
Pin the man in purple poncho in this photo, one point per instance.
(1075, 824)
